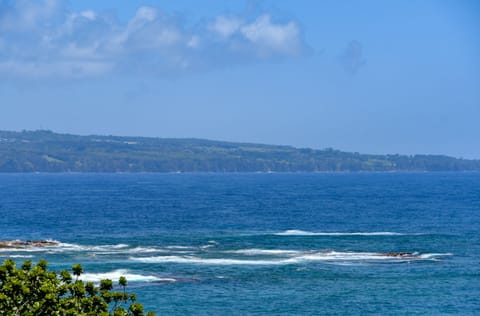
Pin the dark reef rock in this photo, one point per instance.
(400, 254)
(24, 244)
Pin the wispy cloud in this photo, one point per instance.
(352, 57)
(44, 39)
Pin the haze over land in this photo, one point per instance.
(368, 76)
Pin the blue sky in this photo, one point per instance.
(367, 76)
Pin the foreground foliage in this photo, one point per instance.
(33, 290)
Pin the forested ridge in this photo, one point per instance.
(46, 151)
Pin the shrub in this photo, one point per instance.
(33, 290)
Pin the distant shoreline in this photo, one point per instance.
(49, 152)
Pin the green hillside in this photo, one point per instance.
(45, 151)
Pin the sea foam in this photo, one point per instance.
(116, 274)
(295, 257)
(295, 232)
(206, 261)
(18, 256)
(275, 252)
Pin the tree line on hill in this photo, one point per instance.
(45, 151)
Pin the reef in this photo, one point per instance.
(24, 244)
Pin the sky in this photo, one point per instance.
(367, 76)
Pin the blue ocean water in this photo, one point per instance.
(260, 244)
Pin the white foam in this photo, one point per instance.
(295, 232)
(275, 252)
(434, 255)
(342, 256)
(179, 247)
(297, 257)
(61, 247)
(144, 250)
(119, 246)
(121, 249)
(207, 261)
(116, 274)
(20, 256)
(33, 249)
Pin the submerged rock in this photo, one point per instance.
(23, 244)
(398, 254)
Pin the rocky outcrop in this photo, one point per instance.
(25, 244)
(398, 254)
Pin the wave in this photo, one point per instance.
(295, 232)
(8, 250)
(346, 256)
(255, 251)
(198, 260)
(144, 250)
(434, 255)
(179, 247)
(75, 247)
(18, 256)
(297, 257)
(116, 274)
(61, 247)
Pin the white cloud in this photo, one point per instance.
(42, 39)
(145, 14)
(91, 15)
(273, 38)
(225, 26)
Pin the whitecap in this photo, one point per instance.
(144, 250)
(116, 274)
(295, 232)
(20, 256)
(341, 256)
(296, 257)
(33, 249)
(434, 255)
(62, 247)
(256, 251)
(207, 261)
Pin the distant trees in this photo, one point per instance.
(35, 291)
(45, 151)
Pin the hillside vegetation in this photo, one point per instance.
(45, 151)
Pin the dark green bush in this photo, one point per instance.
(33, 290)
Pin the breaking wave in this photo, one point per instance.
(198, 260)
(74, 247)
(296, 257)
(18, 256)
(274, 252)
(54, 246)
(295, 232)
(116, 274)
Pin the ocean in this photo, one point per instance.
(260, 244)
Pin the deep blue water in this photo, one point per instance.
(260, 244)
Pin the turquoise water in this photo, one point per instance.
(260, 244)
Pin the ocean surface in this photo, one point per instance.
(260, 244)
